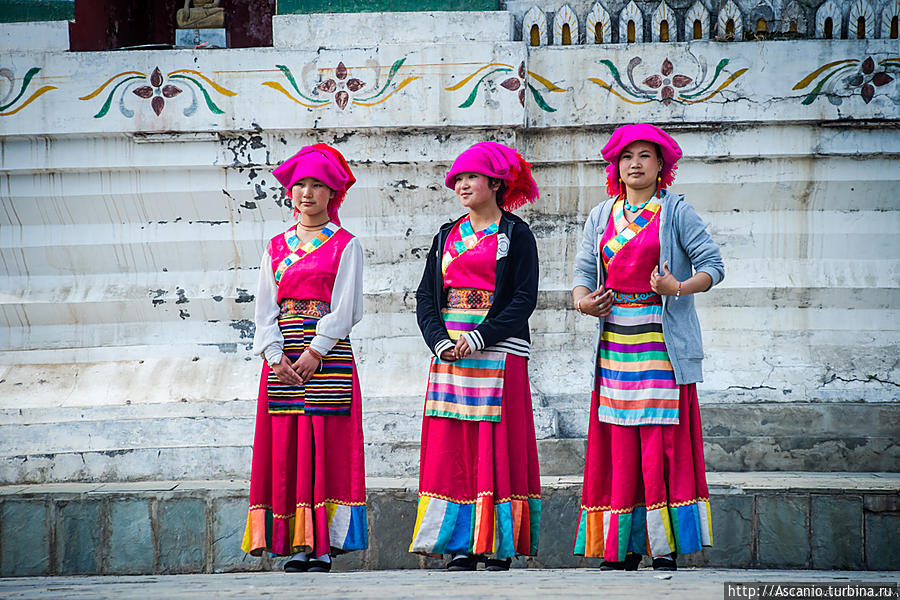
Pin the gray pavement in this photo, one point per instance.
(521, 584)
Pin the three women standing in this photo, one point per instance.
(307, 484)
(479, 484)
(644, 253)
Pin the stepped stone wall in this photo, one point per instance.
(136, 197)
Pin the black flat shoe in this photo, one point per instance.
(665, 563)
(319, 566)
(296, 566)
(463, 563)
(497, 564)
(631, 563)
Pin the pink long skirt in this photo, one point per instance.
(307, 483)
(479, 482)
(645, 487)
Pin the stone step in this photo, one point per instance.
(763, 520)
(212, 439)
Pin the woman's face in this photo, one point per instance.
(476, 191)
(310, 198)
(639, 165)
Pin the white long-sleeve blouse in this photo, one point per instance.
(346, 307)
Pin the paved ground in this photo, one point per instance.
(522, 584)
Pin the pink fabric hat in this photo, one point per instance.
(627, 134)
(325, 164)
(501, 162)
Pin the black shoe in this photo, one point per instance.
(296, 566)
(463, 563)
(666, 562)
(631, 563)
(318, 566)
(497, 564)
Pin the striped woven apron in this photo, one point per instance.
(330, 389)
(471, 388)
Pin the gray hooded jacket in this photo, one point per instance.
(688, 247)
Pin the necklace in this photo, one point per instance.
(312, 227)
(638, 207)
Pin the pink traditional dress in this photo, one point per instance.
(644, 478)
(307, 484)
(479, 483)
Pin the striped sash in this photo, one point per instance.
(636, 383)
(330, 390)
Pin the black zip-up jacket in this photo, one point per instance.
(515, 292)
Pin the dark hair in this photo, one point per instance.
(501, 191)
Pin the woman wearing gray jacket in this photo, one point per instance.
(643, 255)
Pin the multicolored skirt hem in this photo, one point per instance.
(685, 528)
(500, 529)
(284, 535)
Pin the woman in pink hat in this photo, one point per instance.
(307, 485)
(643, 256)
(479, 484)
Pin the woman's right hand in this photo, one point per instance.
(286, 373)
(449, 355)
(597, 303)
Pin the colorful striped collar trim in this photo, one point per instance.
(299, 252)
(469, 239)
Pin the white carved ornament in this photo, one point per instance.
(565, 16)
(730, 12)
(535, 17)
(826, 11)
(631, 13)
(889, 12)
(863, 9)
(697, 12)
(599, 16)
(663, 13)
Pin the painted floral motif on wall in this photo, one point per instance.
(519, 81)
(8, 90)
(341, 89)
(157, 90)
(668, 83)
(844, 79)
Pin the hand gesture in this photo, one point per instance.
(306, 365)
(665, 284)
(448, 355)
(462, 348)
(286, 373)
(597, 303)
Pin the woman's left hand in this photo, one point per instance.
(462, 347)
(306, 365)
(665, 284)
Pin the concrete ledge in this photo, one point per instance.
(767, 520)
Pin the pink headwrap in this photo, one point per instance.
(501, 162)
(627, 134)
(325, 164)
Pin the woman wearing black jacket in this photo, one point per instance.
(479, 484)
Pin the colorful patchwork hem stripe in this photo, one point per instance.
(344, 524)
(299, 253)
(504, 529)
(609, 534)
